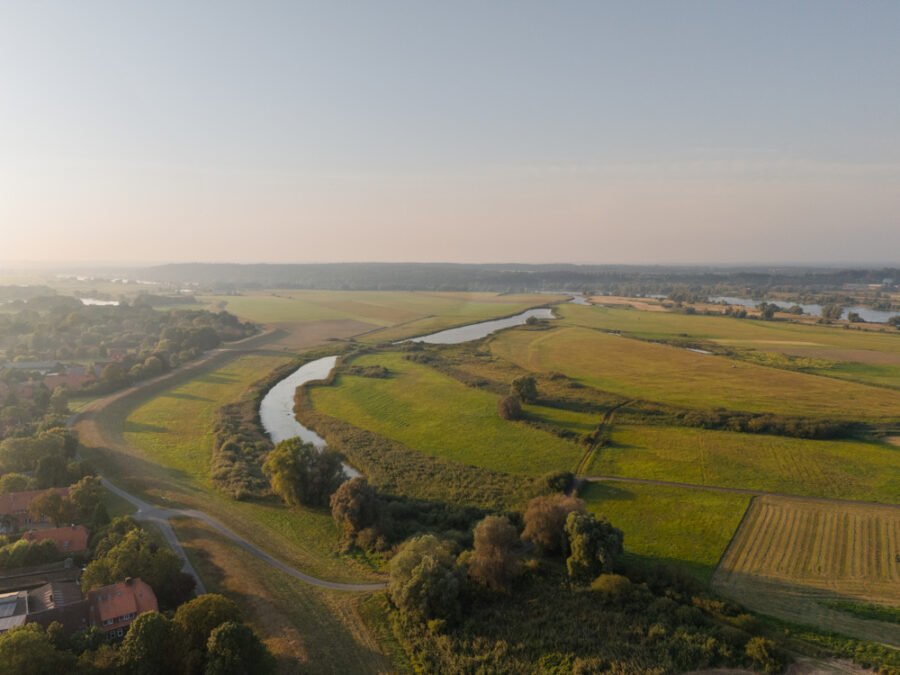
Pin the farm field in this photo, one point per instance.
(439, 416)
(841, 469)
(745, 332)
(685, 527)
(418, 312)
(792, 556)
(639, 369)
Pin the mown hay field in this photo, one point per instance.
(791, 556)
(441, 417)
(841, 469)
(639, 369)
(745, 332)
(685, 527)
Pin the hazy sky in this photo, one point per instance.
(450, 131)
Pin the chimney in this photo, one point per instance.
(128, 581)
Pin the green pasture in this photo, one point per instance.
(656, 372)
(682, 526)
(753, 333)
(168, 443)
(835, 469)
(379, 308)
(441, 417)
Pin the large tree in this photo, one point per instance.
(525, 388)
(493, 562)
(354, 506)
(545, 520)
(594, 544)
(202, 615)
(27, 650)
(425, 579)
(234, 649)
(54, 506)
(301, 474)
(152, 646)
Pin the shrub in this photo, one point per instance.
(425, 579)
(509, 408)
(614, 586)
(493, 561)
(545, 520)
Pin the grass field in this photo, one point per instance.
(418, 312)
(835, 469)
(634, 368)
(791, 557)
(439, 416)
(309, 630)
(680, 526)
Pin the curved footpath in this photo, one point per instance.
(160, 516)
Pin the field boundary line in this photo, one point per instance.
(733, 539)
(732, 490)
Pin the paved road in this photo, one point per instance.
(736, 491)
(160, 516)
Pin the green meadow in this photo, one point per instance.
(437, 415)
(686, 527)
(656, 372)
(841, 469)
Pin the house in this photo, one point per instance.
(70, 539)
(14, 508)
(113, 608)
(68, 381)
(13, 608)
(60, 601)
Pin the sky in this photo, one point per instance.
(465, 131)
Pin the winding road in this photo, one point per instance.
(160, 516)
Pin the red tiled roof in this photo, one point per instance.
(67, 381)
(14, 503)
(126, 599)
(73, 538)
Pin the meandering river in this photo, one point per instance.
(276, 411)
(865, 313)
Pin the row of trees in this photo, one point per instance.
(205, 636)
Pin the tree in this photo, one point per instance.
(114, 375)
(509, 408)
(53, 506)
(234, 649)
(545, 520)
(425, 580)
(853, 317)
(767, 310)
(59, 401)
(894, 321)
(15, 482)
(301, 474)
(493, 561)
(354, 506)
(525, 388)
(199, 617)
(26, 650)
(52, 471)
(87, 495)
(152, 646)
(832, 312)
(594, 545)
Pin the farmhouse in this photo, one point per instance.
(14, 508)
(70, 539)
(113, 608)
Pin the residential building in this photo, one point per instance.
(113, 608)
(14, 508)
(69, 539)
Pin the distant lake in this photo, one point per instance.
(867, 314)
(97, 301)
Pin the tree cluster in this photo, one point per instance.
(301, 474)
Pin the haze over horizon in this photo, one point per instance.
(637, 133)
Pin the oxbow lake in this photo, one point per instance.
(866, 313)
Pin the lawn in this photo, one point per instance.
(680, 526)
(639, 369)
(441, 417)
(837, 469)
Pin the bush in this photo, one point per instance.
(763, 652)
(509, 408)
(425, 579)
(545, 520)
(614, 586)
(493, 561)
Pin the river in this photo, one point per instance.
(276, 411)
